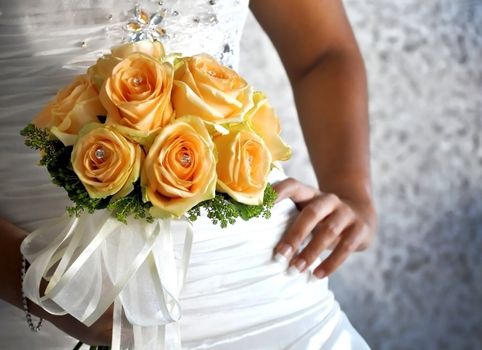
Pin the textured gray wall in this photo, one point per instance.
(420, 284)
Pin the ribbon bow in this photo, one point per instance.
(94, 261)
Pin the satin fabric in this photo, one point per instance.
(235, 296)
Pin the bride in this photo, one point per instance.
(258, 284)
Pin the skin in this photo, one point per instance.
(99, 333)
(329, 84)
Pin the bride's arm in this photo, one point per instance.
(11, 237)
(319, 52)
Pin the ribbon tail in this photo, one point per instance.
(155, 320)
(121, 328)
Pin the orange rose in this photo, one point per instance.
(105, 161)
(262, 120)
(72, 108)
(104, 66)
(243, 166)
(205, 88)
(148, 47)
(180, 168)
(138, 93)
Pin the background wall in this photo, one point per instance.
(420, 284)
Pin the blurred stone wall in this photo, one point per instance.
(420, 285)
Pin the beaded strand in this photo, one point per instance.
(28, 315)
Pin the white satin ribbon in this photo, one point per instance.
(94, 261)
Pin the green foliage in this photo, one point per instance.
(224, 210)
(56, 158)
(131, 205)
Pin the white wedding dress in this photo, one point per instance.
(235, 296)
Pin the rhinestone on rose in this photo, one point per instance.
(99, 153)
(185, 160)
(137, 81)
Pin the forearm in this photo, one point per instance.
(331, 99)
(11, 291)
(10, 266)
(10, 263)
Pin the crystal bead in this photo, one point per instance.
(145, 25)
(83, 43)
(161, 31)
(185, 160)
(156, 19)
(134, 26)
(99, 153)
(138, 81)
(175, 13)
(213, 19)
(109, 17)
(212, 2)
(142, 16)
(196, 19)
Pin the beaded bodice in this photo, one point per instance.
(85, 28)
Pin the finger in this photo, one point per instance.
(324, 234)
(297, 191)
(304, 223)
(350, 239)
(334, 243)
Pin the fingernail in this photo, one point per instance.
(283, 252)
(319, 274)
(292, 270)
(298, 266)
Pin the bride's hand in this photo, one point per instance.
(334, 222)
(99, 334)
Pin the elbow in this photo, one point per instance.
(340, 60)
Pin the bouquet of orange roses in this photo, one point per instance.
(142, 138)
(156, 135)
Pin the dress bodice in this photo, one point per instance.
(72, 33)
(44, 43)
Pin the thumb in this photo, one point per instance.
(295, 190)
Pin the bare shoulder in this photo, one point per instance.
(304, 30)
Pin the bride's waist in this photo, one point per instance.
(210, 237)
(225, 256)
